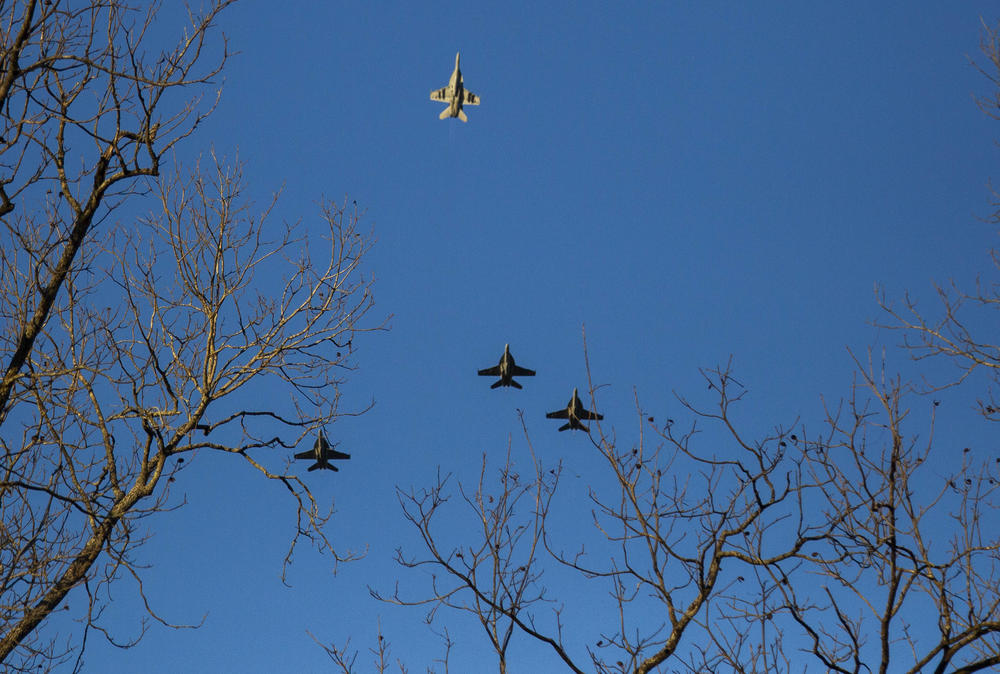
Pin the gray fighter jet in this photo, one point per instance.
(574, 412)
(506, 370)
(322, 453)
(455, 95)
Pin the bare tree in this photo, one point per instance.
(730, 554)
(115, 397)
(679, 524)
(955, 334)
(909, 579)
(494, 577)
(132, 343)
(961, 331)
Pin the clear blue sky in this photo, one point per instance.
(689, 180)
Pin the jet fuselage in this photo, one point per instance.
(505, 363)
(573, 411)
(455, 84)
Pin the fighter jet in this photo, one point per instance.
(455, 95)
(506, 370)
(322, 452)
(574, 412)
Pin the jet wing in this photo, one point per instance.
(470, 98)
(306, 455)
(587, 415)
(443, 95)
(334, 454)
(523, 372)
(490, 372)
(561, 414)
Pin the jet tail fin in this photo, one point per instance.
(515, 384)
(462, 116)
(444, 114)
(327, 466)
(564, 427)
(498, 382)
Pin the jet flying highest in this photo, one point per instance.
(574, 412)
(322, 453)
(506, 370)
(455, 95)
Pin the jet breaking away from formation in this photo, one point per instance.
(323, 453)
(574, 412)
(455, 95)
(506, 370)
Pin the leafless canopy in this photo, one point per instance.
(125, 336)
(840, 550)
